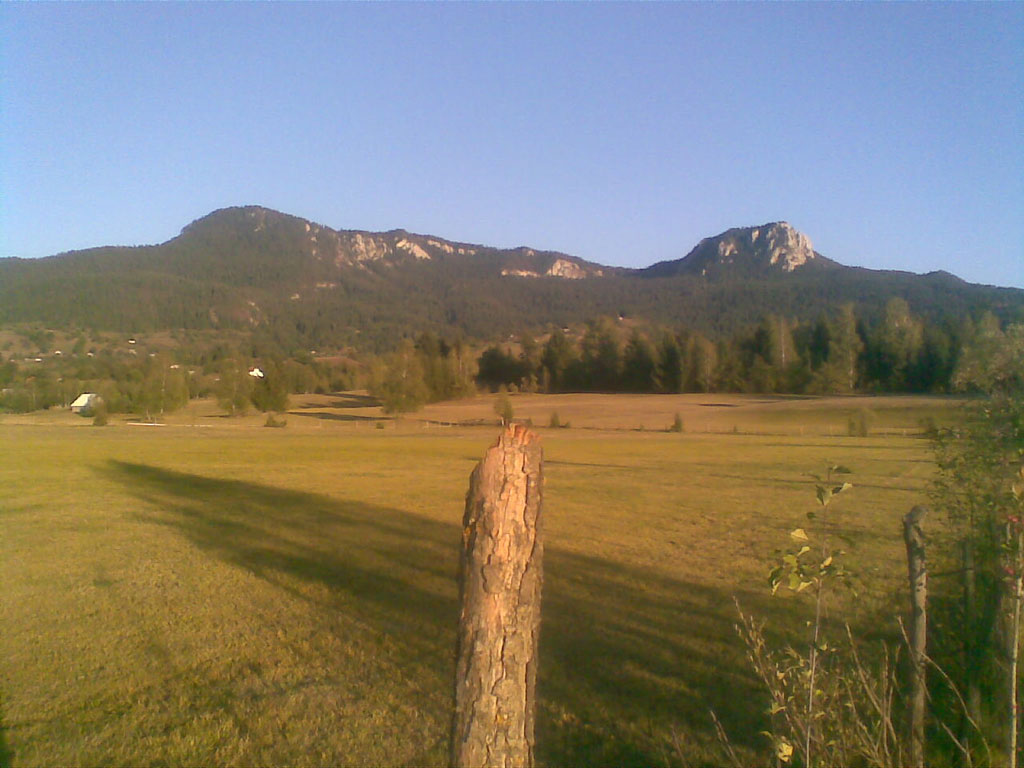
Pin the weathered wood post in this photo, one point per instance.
(500, 578)
(917, 570)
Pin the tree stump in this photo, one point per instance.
(500, 579)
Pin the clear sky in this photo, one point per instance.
(891, 134)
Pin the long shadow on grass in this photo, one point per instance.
(346, 400)
(328, 416)
(393, 567)
(627, 653)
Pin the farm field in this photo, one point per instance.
(213, 592)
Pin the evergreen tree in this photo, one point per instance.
(932, 368)
(729, 371)
(820, 338)
(556, 358)
(638, 364)
(601, 355)
(761, 376)
(669, 370)
(530, 365)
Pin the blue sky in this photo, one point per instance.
(891, 134)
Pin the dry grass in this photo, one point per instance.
(227, 594)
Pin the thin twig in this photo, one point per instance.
(723, 738)
(869, 691)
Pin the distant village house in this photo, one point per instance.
(85, 402)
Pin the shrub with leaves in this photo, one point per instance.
(827, 707)
(810, 564)
(100, 416)
(503, 408)
(980, 487)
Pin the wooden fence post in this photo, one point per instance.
(917, 570)
(500, 578)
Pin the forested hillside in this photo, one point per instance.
(305, 286)
(754, 310)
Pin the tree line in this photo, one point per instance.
(838, 353)
(835, 354)
(154, 380)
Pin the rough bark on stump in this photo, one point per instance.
(917, 571)
(500, 578)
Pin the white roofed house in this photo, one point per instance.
(85, 402)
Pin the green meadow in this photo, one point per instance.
(214, 592)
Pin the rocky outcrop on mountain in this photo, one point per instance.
(783, 245)
(560, 267)
(744, 252)
(226, 230)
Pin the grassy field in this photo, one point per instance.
(213, 592)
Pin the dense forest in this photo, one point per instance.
(374, 308)
(837, 353)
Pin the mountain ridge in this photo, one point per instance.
(257, 269)
(395, 244)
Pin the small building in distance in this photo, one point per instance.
(85, 403)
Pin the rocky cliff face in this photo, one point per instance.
(746, 251)
(560, 267)
(338, 249)
(782, 245)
